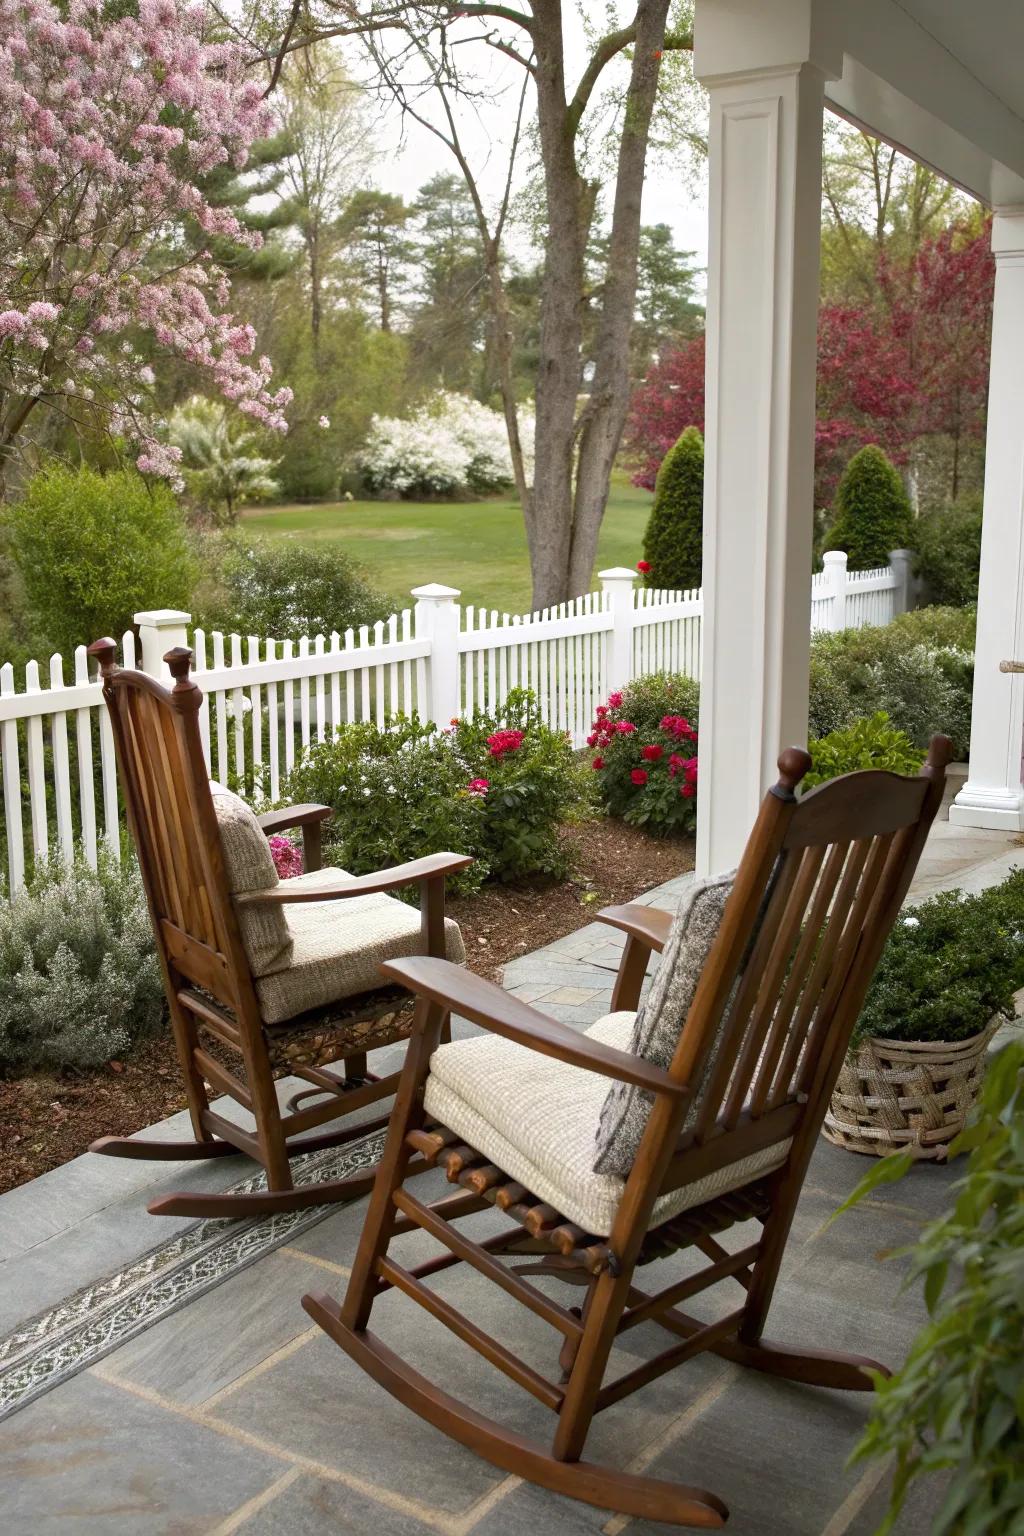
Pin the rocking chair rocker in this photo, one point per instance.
(257, 978)
(722, 1133)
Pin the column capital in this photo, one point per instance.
(1008, 233)
(754, 39)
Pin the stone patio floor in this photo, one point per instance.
(234, 1414)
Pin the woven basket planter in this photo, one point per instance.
(913, 1094)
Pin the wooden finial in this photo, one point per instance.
(940, 752)
(793, 763)
(180, 662)
(105, 652)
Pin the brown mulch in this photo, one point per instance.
(47, 1119)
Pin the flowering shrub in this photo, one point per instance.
(451, 444)
(287, 857)
(647, 773)
(110, 117)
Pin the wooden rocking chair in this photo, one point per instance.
(260, 984)
(729, 1133)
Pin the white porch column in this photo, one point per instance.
(993, 795)
(765, 63)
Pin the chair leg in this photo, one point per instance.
(605, 1302)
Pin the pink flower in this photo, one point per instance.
(614, 700)
(505, 741)
(639, 776)
(652, 753)
(624, 727)
(478, 786)
(287, 857)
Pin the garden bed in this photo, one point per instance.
(47, 1119)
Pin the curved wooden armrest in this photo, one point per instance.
(293, 816)
(647, 924)
(433, 866)
(498, 1011)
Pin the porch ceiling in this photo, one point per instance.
(941, 79)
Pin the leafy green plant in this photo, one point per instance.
(949, 553)
(530, 782)
(646, 771)
(949, 964)
(938, 625)
(92, 550)
(647, 700)
(222, 464)
(870, 743)
(285, 590)
(79, 980)
(872, 511)
(673, 538)
(955, 1409)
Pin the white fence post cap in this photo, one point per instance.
(618, 573)
(163, 618)
(435, 592)
(835, 557)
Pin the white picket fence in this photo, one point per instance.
(265, 701)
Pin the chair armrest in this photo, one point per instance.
(498, 1011)
(309, 818)
(433, 866)
(647, 924)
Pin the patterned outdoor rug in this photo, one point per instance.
(86, 1326)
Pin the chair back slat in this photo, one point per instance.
(173, 823)
(817, 891)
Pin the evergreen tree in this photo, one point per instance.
(373, 225)
(450, 321)
(872, 511)
(673, 539)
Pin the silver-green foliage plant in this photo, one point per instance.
(222, 462)
(955, 1410)
(79, 980)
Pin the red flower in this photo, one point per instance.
(644, 566)
(598, 762)
(592, 739)
(652, 753)
(678, 726)
(505, 741)
(478, 786)
(614, 700)
(687, 790)
(639, 776)
(675, 762)
(624, 727)
(602, 709)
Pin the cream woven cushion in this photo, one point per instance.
(337, 947)
(249, 866)
(535, 1117)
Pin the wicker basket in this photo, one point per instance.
(914, 1094)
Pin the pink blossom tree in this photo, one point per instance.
(107, 127)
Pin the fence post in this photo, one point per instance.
(437, 620)
(900, 560)
(618, 583)
(160, 629)
(834, 561)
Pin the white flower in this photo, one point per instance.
(324, 422)
(451, 443)
(911, 922)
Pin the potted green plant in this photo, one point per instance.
(917, 1056)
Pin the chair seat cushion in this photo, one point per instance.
(337, 948)
(536, 1118)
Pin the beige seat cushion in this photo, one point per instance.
(536, 1118)
(249, 866)
(337, 948)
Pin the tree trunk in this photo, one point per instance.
(605, 415)
(501, 345)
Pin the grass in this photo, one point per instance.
(479, 547)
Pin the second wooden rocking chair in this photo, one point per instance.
(264, 979)
(721, 1132)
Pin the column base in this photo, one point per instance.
(996, 809)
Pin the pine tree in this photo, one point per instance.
(872, 511)
(673, 539)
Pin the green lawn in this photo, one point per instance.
(479, 547)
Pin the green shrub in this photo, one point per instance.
(92, 550)
(948, 966)
(79, 980)
(285, 590)
(922, 687)
(870, 743)
(673, 539)
(949, 553)
(872, 511)
(646, 766)
(944, 627)
(955, 1409)
(647, 700)
(223, 467)
(397, 794)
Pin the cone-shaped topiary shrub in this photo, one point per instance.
(872, 511)
(673, 537)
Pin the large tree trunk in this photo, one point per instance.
(605, 414)
(570, 203)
